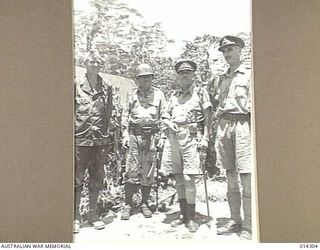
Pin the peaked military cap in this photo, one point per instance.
(231, 40)
(185, 65)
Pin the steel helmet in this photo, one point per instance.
(144, 70)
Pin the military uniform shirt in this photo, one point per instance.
(233, 93)
(91, 113)
(143, 109)
(187, 107)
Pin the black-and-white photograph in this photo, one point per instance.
(163, 113)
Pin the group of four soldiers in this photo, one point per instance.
(183, 123)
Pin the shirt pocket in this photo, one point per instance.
(98, 106)
(241, 90)
(241, 86)
(242, 94)
(177, 109)
(83, 106)
(153, 110)
(194, 105)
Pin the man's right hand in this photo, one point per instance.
(171, 125)
(174, 127)
(162, 173)
(160, 144)
(125, 142)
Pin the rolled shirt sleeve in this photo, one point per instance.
(206, 103)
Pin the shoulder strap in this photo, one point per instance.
(217, 82)
(200, 94)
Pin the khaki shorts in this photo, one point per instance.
(180, 154)
(233, 145)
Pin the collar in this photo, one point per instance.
(188, 91)
(86, 86)
(141, 93)
(241, 69)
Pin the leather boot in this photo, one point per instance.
(129, 190)
(183, 216)
(229, 228)
(234, 225)
(145, 210)
(126, 212)
(246, 234)
(94, 219)
(192, 225)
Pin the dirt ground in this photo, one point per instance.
(158, 227)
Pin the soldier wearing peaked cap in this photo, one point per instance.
(187, 121)
(141, 123)
(233, 139)
(186, 65)
(230, 40)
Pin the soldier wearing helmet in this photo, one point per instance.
(141, 123)
(187, 120)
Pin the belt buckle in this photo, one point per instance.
(146, 129)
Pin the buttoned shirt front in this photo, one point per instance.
(143, 108)
(187, 107)
(234, 92)
(91, 111)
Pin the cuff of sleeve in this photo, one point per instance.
(125, 133)
(206, 105)
(163, 136)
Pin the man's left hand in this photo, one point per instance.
(160, 143)
(203, 144)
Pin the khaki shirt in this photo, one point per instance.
(234, 92)
(92, 113)
(143, 109)
(187, 107)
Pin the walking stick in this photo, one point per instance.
(202, 165)
(158, 165)
(202, 159)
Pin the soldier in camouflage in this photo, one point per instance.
(93, 107)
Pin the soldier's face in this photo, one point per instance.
(231, 54)
(93, 65)
(186, 78)
(144, 81)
